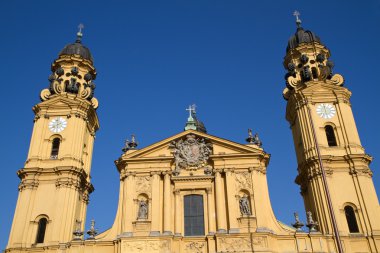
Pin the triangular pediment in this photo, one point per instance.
(220, 146)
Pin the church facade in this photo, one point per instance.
(195, 192)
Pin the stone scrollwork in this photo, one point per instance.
(191, 153)
(195, 247)
(45, 94)
(94, 102)
(292, 82)
(337, 79)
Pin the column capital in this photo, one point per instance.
(166, 173)
(155, 173)
(229, 170)
(209, 190)
(177, 191)
(217, 171)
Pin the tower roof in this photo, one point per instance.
(301, 36)
(77, 47)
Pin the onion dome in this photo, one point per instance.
(301, 36)
(77, 48)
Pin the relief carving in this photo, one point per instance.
(243, 181)
(143, 184)
(145, 246)
(241, 244)
(195, 247)
(191, 153)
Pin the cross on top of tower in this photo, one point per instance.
(191, 109)
(297, 14)
(79, 33)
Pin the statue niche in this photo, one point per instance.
(244, 205)
(143, 210)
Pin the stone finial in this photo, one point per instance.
(253, 139)
(311, 224)
(130, 144)
(78, 232)
(298, 224)
(92, 232)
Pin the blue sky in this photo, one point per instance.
(154, 58)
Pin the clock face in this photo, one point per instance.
(326, 111)
(57, 125)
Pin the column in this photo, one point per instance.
(155, 212)
(178, 214)
(129, 216)
(211, 212)
(220, 206)
(167, 205)
(231, 202)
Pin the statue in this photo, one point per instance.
(298, 224)
(311, 224)
(244, 205)
(143, 210)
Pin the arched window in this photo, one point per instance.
(41, 230)
(331, 140)
(194, 217)
(351, 219)
(55, 148)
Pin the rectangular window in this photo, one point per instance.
(194, 217)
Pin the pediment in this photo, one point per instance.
(62, 102)
(328, 86)
(220, 147)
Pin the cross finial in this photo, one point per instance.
(191, 110)
(297, 14)
(79, 33)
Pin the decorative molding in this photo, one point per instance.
(365, 171)
(28, 184)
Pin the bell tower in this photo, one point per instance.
(333, 168)
(55, 181)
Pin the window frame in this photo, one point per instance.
(330, 133)
(197, 217)
(41, 236)
(353, 221)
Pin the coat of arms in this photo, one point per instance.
(191, 153)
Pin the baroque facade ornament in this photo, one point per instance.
(191, 153)
(143, 185)
(195, 247)
(146, 246)
(243, 181)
